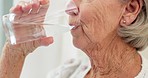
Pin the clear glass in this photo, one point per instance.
(19, 32)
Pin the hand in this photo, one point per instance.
(33, 11)
(13, 56)
(26, 12)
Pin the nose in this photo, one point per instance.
(72, 9)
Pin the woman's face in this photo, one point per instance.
(94, 21)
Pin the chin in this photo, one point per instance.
(76, 44)
(79, 43)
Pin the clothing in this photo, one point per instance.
(144, 72)
(76, 68)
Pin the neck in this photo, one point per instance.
(113, 58)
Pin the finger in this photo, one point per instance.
(46, 41)
(44, 2)
(35, 6)
(21, 8)
(16, 9)
(26, 7)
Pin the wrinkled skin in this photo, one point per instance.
(97, 19)
(13, 56)
(36, 15)
(97, 22)
(95, 32)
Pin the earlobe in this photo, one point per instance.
(123, 23)
(126, 21)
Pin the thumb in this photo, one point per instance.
(46, 41)
(30, 47)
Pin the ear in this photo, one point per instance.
(131, 11)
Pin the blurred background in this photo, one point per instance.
(4, 8)
(44, 59)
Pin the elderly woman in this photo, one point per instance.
(110, 32)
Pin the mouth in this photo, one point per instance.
(74, 26)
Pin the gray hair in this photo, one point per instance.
(137, 33)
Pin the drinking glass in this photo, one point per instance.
(18, 31)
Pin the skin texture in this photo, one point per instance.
(13, 56)
(96, 23)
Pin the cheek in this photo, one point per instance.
(99, 20)
(91, 12)
(93, 22)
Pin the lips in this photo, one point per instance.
(74, 26)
